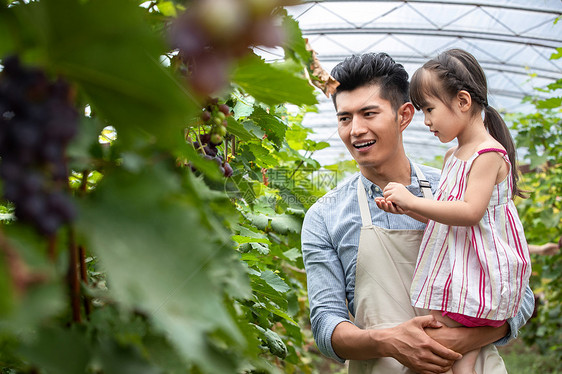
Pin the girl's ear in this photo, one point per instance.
(464, 100)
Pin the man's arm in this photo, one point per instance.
(325, 281)
(408, 343)
(464, 339)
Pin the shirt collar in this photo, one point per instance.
(372, 189)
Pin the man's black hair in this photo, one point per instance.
(373, 69)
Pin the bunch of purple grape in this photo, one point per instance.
(211, 34)
(37, 121)
(214, 116)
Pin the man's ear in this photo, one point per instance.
(464, 100)
(405, 115)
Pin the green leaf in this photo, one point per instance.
(274, 281)
(58, 351)
(558, 54)
(270, 85)
(261, 221)
(260, 155)
(110, 51)
(123, 359)
(294, 43)
(267, 293)
(243, 108)
(260, 248)
(284, 224)
(555, 85)
(238, 129)
(292, 254)
(275, 344)
(159, 259)
(86, 140)
(553, 102)
(167, 8)
(246, 239)
(6, 291)
(272, 126)
(7, 42)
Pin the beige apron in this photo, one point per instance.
(384, 270)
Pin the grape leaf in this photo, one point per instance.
(284, 224)
(58, 351)
(270, 85)
(159, 259)
(294, 43)
(274, 281)
(272, 126)
(292, 254)
(110, 51)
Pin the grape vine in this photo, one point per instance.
(37, 121)
(213, 119)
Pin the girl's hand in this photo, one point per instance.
(388, 206)
(398, 194)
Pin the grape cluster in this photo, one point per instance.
(214, 117)
(37, 120)
(211, 34)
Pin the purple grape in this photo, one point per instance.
(227, 169)
(37, 120)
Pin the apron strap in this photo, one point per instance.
(363, 204)
(366, 219)
(425, 186)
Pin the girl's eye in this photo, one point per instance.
(429, 110)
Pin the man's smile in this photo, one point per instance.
(364, 144)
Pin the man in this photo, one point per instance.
(359, 259)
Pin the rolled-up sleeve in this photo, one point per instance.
(325, 281)
(521, 318)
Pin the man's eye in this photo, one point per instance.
(343, 119)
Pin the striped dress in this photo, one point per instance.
(479, 271)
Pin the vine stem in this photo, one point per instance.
(51, 247)
(82, 250)
(84, 277)
(73, 280)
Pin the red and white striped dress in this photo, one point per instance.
(479, 271)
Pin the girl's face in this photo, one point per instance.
(442, 121)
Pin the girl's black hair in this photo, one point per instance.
(455, 70)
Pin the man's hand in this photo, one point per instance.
(409, 344)
(388, 206)
(466, 339)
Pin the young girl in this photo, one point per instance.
(473, 265)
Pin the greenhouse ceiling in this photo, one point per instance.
(512, 40)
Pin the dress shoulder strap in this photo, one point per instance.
(486, 150)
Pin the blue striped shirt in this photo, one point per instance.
(330, 240)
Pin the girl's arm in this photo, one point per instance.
(468, 212)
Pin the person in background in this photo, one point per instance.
(360, 259)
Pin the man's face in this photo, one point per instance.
(368, 126)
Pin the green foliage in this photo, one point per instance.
(184, 271)
(540, 135)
